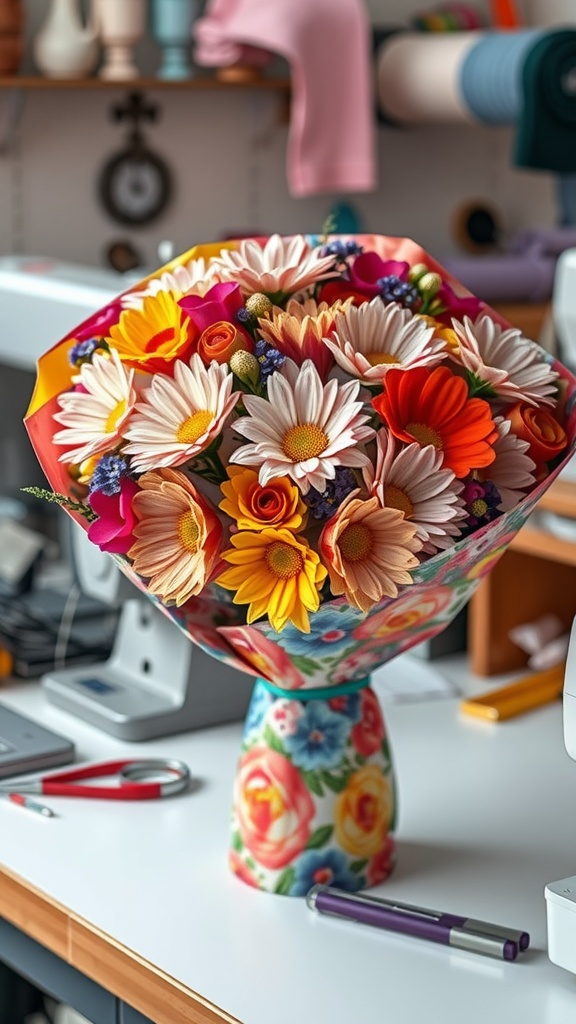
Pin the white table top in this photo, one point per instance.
(487, 818)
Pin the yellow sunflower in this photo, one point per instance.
(274, 572)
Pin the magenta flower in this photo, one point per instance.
(113, 530)
(221, 302)
(457, 306)
(98, 326)
(368, 270)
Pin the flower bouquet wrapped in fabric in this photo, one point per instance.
(306, 451)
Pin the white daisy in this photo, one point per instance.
(510, 365)
(512, 470)
(95, 414)
(369, 339)
(305, 429)
(192, 278)
(412, 479)
(179, 417)
(281, 265)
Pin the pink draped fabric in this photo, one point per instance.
(331, 143)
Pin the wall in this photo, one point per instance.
(227, 153)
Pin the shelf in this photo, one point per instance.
(196, 83)
(15, 87)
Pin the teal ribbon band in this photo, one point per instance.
(317, 692)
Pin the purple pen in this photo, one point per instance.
(447, 929)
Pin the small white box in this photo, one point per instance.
(561, 920)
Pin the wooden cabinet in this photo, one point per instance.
(535, 576)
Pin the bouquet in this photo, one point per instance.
(306, 451)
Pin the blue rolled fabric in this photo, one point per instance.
(491, 75)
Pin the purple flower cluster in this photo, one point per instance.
(83, 351)
(270, 358)
(324, 504)
(108, 474)
(394, 289)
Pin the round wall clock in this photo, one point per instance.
(135, 186)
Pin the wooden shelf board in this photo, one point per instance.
(196, 83)
(544, 545)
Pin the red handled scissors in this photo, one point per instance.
(127, 780)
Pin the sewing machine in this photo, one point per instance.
(156, 681)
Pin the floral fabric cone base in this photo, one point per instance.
(307, 452)
(315, 797)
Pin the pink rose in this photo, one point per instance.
(273, 807)
(368, 733)
(113, 529)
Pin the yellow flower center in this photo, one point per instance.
(355, 542)
(395, 498)
(424, 435)
(188, 532)
(115, 415)
(283, 560)
(197, 424)
(304, 441)
(376, 358)
(479, 508)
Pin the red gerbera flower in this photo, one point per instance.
(433, 407)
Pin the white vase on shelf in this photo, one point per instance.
(65, 47)
(121, 24)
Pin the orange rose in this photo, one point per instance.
(273, 807)
(254, 507)
(540, 428)
(221, 340)
(363, 812)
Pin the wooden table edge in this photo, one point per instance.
(103, 959)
